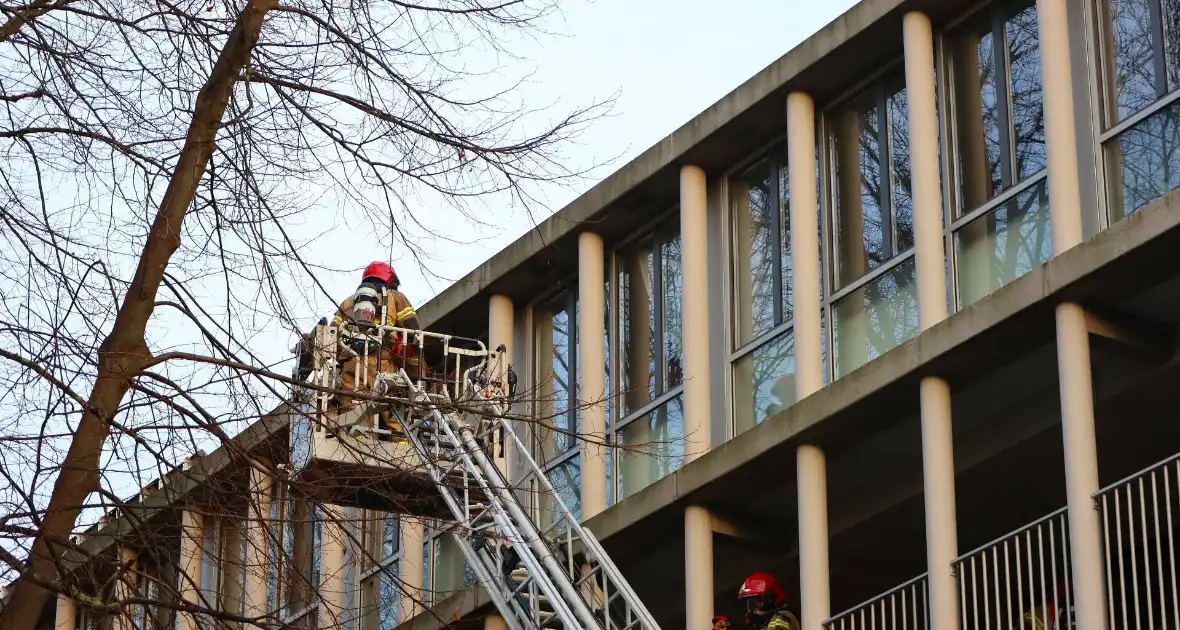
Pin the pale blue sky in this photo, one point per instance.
(668, 59)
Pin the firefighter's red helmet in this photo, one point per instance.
(764, 588)
(381, 271)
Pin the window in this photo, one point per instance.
(764, 368)
(874, 306)
(1140, 48)
(1001, 208)
(649, 371)
(557, 343)
(294, 572)
(380, 585)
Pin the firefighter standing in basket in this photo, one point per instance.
(377, 293)
(766, 604)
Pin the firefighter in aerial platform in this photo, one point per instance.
(378, 293)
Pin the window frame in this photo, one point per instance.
(567, 295)
(1101, 59)
(616, 422)
(380, 565)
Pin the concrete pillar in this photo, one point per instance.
(805, 259)
(812, 466)
(255, 557)
(192, 525)
(694, 269)
(592, 371)
(67, 614)
(413, 536)
(1060, 132)
(494, 622)
(814, 594)
(1081, 466)
(698, 566)
(125, 589)
(1073, 341)
(331, 586)
(938, 464)
(501, 329)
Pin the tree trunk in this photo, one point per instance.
(124, 350)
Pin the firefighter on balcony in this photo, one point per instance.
(766, 604)
(378, 293)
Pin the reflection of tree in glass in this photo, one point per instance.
(1150, 159)
(1133, 58)
(673, 295)
(567, 481)
(762, 216)
(1028, 112)
(774, 377)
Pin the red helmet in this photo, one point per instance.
(763, 590)
(381, 271)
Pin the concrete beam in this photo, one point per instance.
(758, 532)
(1132, 336)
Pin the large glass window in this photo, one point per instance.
(874, 219)
(874, 305)
(649, 368)
(381, 592)
(651, 447)
(1001, 209)
(1141, 71)
(556, 421)
(763, 363)
(762, 249)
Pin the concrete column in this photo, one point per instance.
(192, 526)
(938, 464)
(67, 614)
(1081, 466)
(805, 260)
(331, 586)
(694, 269)
(1060, 132)
(501, 329)
(255, 560)
(494, 622)
(125, 589)
(592, 371)
(814, 595)
(812, 466)
(698, 566)
(413, 536)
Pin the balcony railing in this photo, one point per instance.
(904, 607)
(1140, 516)
(1019, 581)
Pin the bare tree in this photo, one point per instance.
(159, 158)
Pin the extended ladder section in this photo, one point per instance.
(447, 428)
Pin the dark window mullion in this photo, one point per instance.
(776, 241)
(657, 285)
(1157, 48)
(885, 175)
(1003, 93)
(571, 341)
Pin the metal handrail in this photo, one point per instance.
(873, 600)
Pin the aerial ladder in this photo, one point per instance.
(432, 442)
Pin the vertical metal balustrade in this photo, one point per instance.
(904, 607)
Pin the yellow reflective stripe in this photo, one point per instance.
(405, 312)
(339, 319)
(779, 622)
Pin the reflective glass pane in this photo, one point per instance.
(977, 113)
(901, 189)
(1024, 70)
(637, 383)
(1145, 162)
(764, 382)
(1132, 56)
(1171, 14)
(567, 481)
(875, 318)
(1003, 245)
(651, 447)
(863, 227)
(754, 213)
(784, 217)
(670, 261)
(555, 428)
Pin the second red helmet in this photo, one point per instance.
(765, 589)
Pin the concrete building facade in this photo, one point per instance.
(894, 320)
